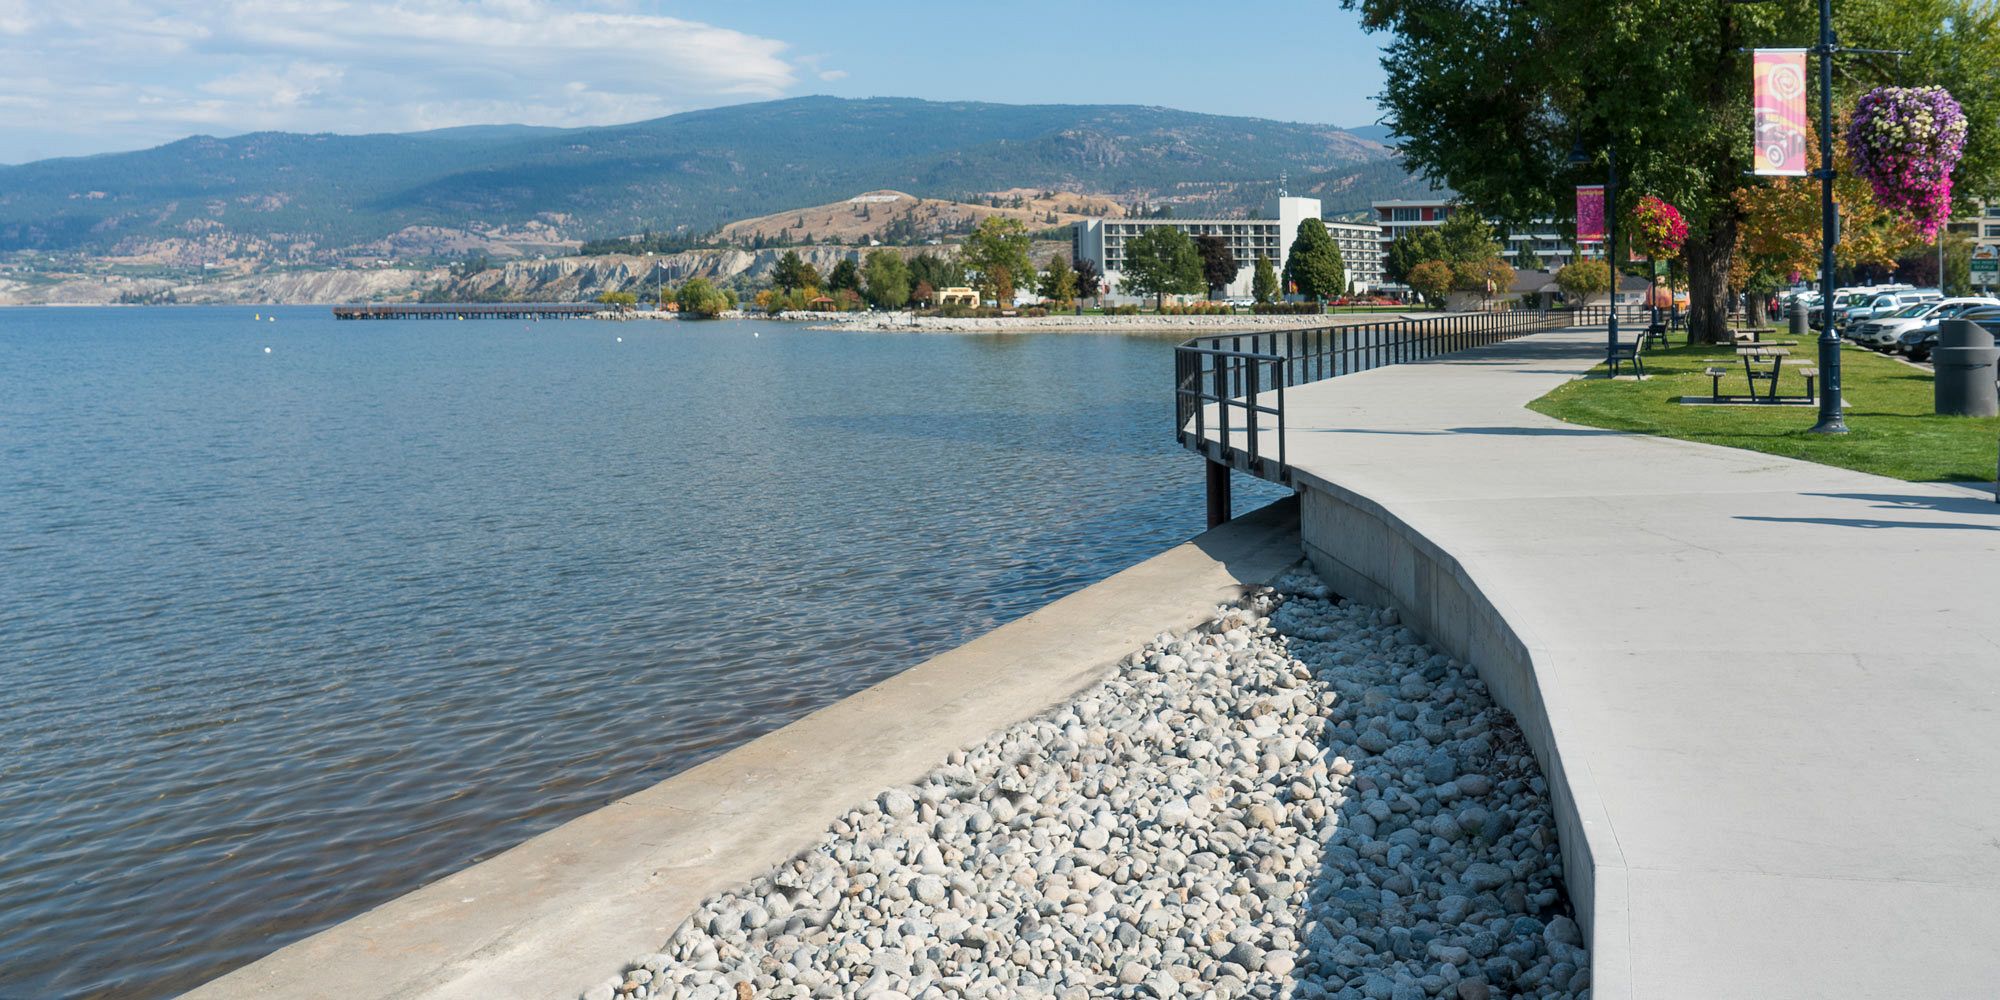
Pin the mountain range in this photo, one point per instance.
(325, 198)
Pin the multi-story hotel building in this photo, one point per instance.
(1102, 241)
(1399, 216)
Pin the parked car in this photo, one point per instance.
(1884, 332)
(1867, 307)
(1917, 344)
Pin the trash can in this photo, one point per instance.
(1965, 360)
(1799, 324)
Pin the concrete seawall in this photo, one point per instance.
(1761, 689)
(1363, 551)
(554, 915)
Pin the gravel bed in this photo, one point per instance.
(1300, 799)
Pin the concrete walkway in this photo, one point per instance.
(1773, 686)
(569, 908)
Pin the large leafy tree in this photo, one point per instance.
(888, 279)
(1413, 247)
(1314, 266)
(997, 251)
(1162, 261)
(936, 271)
(1491, 95)
(1218, 263)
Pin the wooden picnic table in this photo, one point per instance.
(1756, 332)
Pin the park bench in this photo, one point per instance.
(1622, 354)
(1655, 335)
(1810, 374)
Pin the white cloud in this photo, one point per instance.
(122, 73)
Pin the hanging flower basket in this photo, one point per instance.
(1906, 141)
(1657, 228)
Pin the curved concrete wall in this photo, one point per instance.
(1365, 552)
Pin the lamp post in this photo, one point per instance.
(1577, 158)
(1830, 419)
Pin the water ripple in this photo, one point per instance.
(284, 636)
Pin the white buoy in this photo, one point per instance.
(754, 333)
(267, 350)
(273, 319)
(621, 340)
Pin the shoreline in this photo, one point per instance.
(904, 322)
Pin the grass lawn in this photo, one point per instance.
(1892, 429)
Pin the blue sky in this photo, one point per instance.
(88, 76)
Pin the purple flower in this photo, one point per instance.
(1906, 141)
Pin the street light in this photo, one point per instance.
(1577, 158)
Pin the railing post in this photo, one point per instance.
(1218, 493)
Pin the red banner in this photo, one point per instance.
(1778, 78)
(1590, 212)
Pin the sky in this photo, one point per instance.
(92, 76)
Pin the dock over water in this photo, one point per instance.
(491, 310)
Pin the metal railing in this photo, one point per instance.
(1229, 389)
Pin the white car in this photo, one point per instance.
(1865, 307)
(1883, 332)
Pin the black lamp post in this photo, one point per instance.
(1577, 158)
(1830, 420)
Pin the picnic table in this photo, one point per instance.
(1755, 356)
(1756, 332)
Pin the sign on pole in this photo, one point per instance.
(1986, 257)
(1589, 212)
(1778, 82)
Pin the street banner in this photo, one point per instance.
(1589, 212)
(1778, 78)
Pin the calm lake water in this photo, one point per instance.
(284, 635)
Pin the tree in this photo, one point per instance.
(1162, 261)
(845, 276)
(1489, 99)
(1314, 267)
(1264, 283)
(793, 273)
(1779, 235)
(1089, 278)
(923, 293)
(1528, 258)
(1485, 276)
(1218, 263)
(888, 279)
(1410, 249)
(997, 251)
(623, 300)
(1584, 280)
(1431, 279)
(938, 272)
(700, 299)
(1058, 281)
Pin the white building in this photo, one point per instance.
(1402, 215)
(1102, 241)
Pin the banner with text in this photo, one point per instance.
(1590, 212)
(1778, 78)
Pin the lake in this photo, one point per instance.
(285, 634)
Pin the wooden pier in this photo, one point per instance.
(490, 310)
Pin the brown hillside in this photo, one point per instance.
(871, 215)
